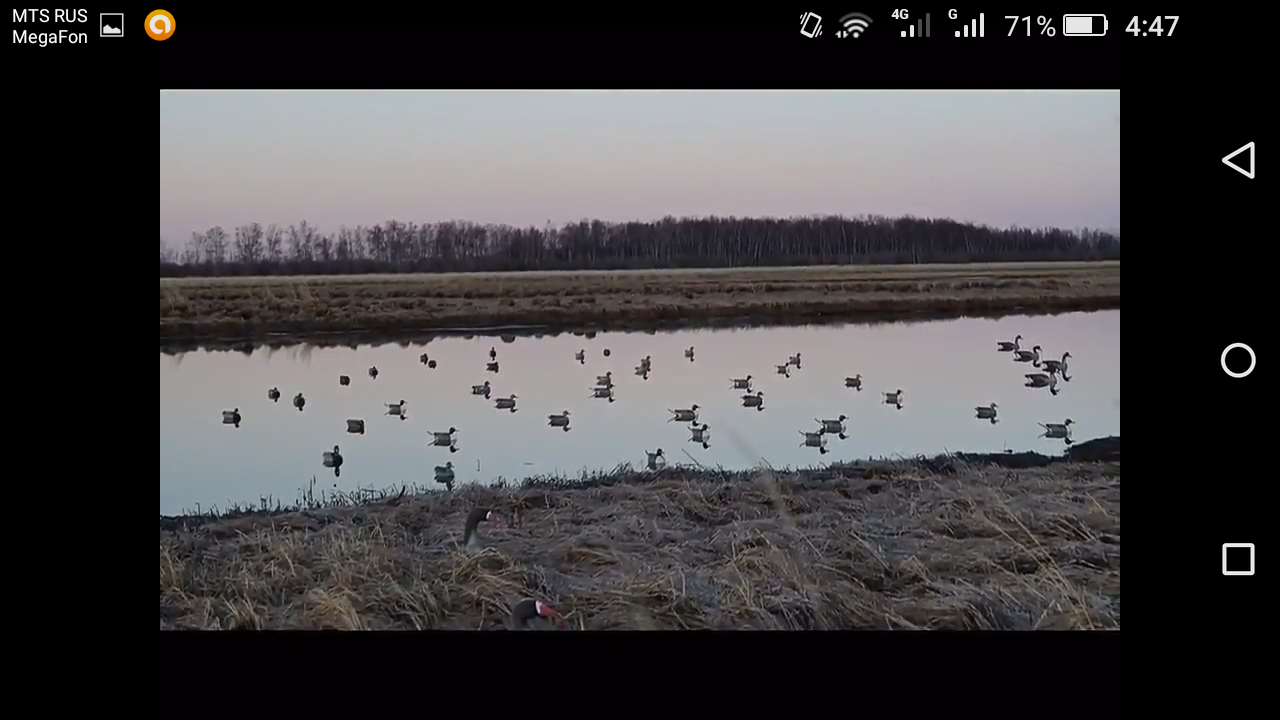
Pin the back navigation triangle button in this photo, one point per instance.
(1244, 165)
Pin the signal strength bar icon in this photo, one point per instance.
(854, 25)
(920, 29)
(975, 28)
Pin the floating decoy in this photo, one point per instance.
(834, 427)
(642, 372)
(470, 537)
(299, 401)
(785, 369)
(854, 382)
(700, 435)
(742, 383)
(396, 409)
(491, 367)
(373, 372)
(605, 380)
(560, 421)
(893, 398)
(273, 394)
(655, 459)
(603, 392)
(445, 439)
(1031, 356)
(1039, 380)
(344, 380)
(756, 401)
(355, 427)
(333, 460)
(987, 412)
(689, 353)
(581, 356)
(525, 611)
(794, 360)
(431, 364)
(506, 403)
(607, 353)
(1010, 346)
(493, 353)
(231, 417)
(481, 389)
(1063, 427)
(815, 440)
(1057, 366)
(684, 415)
(444, 475)
(647, 362)
(423, 358)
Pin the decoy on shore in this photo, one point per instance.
(756, 401)
(854, 382)
(373, 372)
(605, 380)
(560, 421)
(700, 435)
(689, 414)
(834, 427)
(1031, 356)
(344, 380)
(333, 460)
(299, 401)
(445, 475)
(491, 367)
(689, 353)
(741, 383)
(355, 427)
(655, 460)
(1004, 346)
(471, 539)
(987, 412)
(603, 392)
(506, 403)
(529, 610)
(581, 357)
(231, 417)
(396, 409)
(481, 389)
(273, 394)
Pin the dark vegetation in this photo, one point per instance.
(397, 247)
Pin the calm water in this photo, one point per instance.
(944, 368)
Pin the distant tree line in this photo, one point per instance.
(397, 247)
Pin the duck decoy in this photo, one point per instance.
(299, 401)
(642, 373)
(834, 427)
(355, 427)
(689, 414)
(373, 372)
(987, 412)
(431, 363)
(1010, 346)
(785, 369)
(471, 540)
(741, 383)
(1057, 366)
(333, 460)
(607, 353)
(491, 367)
(605, 380)
(700, 435)
(445, 475)
(481, 389)
(445, 439)
(1031, 356)
(1063, 427)
(815, 440)
(794, 360)
(560, 421)
(493, 353)
(756, 401)
(581, 357)
(893, 398)
(344, 380)
(396, 409)
(602, 392)
(528, 610)
(231, 417)
(854, 382)
(273, 394)
(689, 353)
(655, 460)
(506, 403)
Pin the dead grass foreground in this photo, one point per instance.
(978, 547)
(238, 308)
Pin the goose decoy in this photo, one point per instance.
(231, 417)
(893, 398)
(655, 460)
(815, 440)
(299, 401)
(273, 394)
(1057, 366)
(642, 372)
(1061, 428)
(756, 401)
(741, 383)
(603, 392)
(493, 353)
(785, 369)
(506, 403)
(1010, 346)
(470, 535)
(987, 412)
(528, 610)
(396, 409)
(560, 421)
(1039, 380)
(355, 427)
(444, 475)
(373, 372)
(491, 367)
(605, 380)
(333, 460)
(647, 361)
(684, 415)
(1031, 356)
(423, 359)
(834, 427)
(581, 357)
(445, 439)
(854, 382)
(481, 389)
(344, 380)
(607, 353)
(689, 353)
(794, 360)
(700, 435)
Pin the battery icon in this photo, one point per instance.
(1084, 25)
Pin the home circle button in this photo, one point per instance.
(1242, 350)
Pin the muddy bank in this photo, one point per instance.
(956, 542)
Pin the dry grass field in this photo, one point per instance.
(891, 545)
(253, 307)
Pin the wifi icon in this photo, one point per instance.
(854, 24)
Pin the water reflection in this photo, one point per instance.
(951, 367)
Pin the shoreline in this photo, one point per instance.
(220, 312)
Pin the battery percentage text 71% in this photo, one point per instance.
(1046, 28)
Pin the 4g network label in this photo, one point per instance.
(42, 37)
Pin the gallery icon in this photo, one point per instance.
(159, 25)
(110, 24)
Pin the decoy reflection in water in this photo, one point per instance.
(785, 369)
(481, 389)
(491, 367)
(560, 421)
(333, 460)
(689, 414)
(689, 353)
(655, 460)
(741, 383)
(894, 398)
(603, 392)
(834, 427)
(987, 412)
(854, 382)
(1003, 346)
(1031, 356)
(396, 409)
(344, 380)
(273, 394)
(445, 439)
(527, 611)
(506, 403)
(581, 357)
(605, 380)
(700, 435)
(815, 440)
(299, 401)
(471, 539)
(756, 401)
(445, 475)
(355, 427)
(231, 417)
(373, 372)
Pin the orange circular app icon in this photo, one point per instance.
(159, 25)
